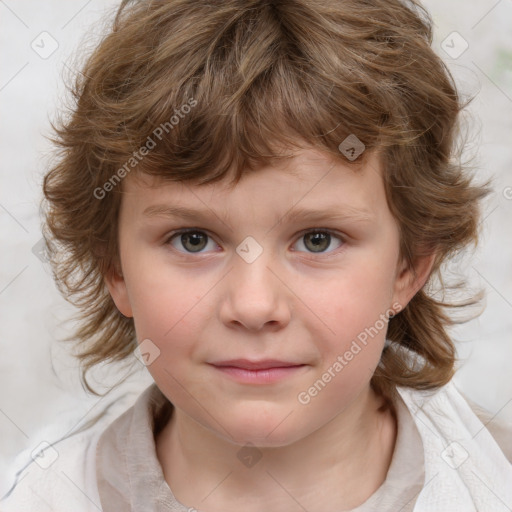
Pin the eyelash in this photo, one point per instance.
(300, 235)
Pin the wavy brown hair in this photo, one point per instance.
(263, 75)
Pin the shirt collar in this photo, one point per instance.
(130, 478)
(129, 475)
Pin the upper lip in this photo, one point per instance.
(256, 365)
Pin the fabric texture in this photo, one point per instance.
(445, 458)
(465, 469)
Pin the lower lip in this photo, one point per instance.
(264, 376)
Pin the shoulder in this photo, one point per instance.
(499, 428)
(449, 401)
(55, 476)
(60, 473)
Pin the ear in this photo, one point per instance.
(116, 285)
(410, 279)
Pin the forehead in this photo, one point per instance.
(308, 178)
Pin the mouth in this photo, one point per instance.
(258, 372)
(265, 364)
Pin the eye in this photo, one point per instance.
(194, 240)
(318, 240)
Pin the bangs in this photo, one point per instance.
(246, 87)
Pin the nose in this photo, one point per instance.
(255, 296)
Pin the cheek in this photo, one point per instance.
(165, 305)
(350, 301)
(171, 319)
(349, 324)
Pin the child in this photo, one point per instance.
(301, 359)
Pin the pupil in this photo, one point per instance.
(319, 240)
(193, 238)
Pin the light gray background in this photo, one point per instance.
(39, 386)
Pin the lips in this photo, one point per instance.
(246, 364)
(264, 372)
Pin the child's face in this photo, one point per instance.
(305, 300)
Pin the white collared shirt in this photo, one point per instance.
(445, 459)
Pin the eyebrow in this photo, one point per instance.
(344, 213)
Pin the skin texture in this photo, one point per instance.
(293, 303)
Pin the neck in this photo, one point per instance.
(350, 455)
